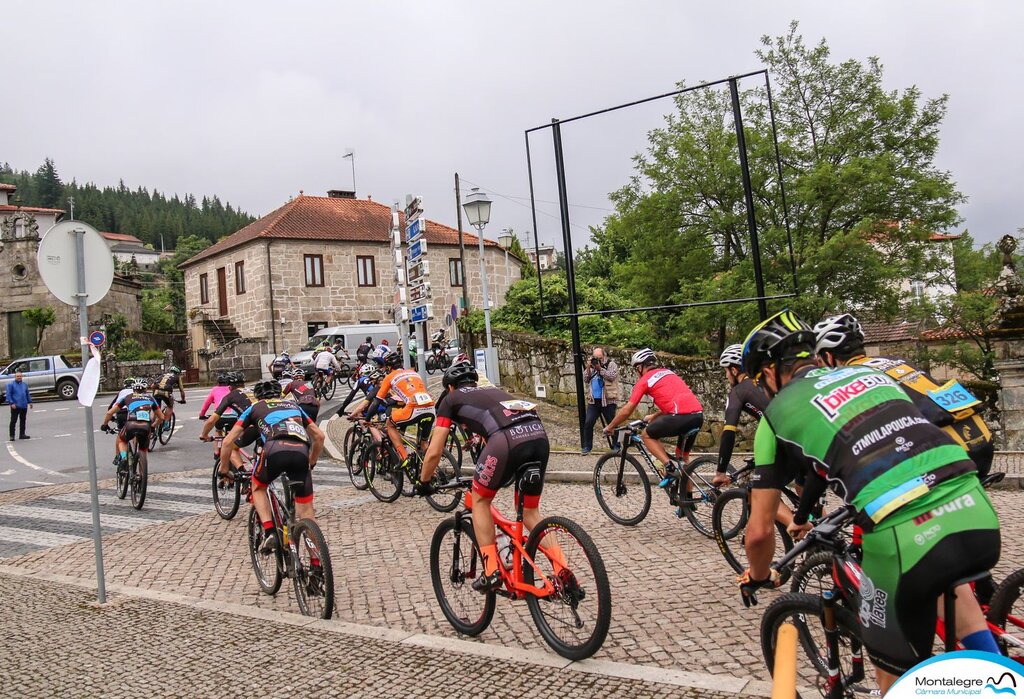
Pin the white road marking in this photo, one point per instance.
(52, 513)
(58, 410)
(8, 472)
(151, 503)
(36, 538)
(38, 411)
(169, 490)
(63, 435)
(25, 462)
(39, 483)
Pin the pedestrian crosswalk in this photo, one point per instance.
(66, 518)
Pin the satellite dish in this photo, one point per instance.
(58, 263)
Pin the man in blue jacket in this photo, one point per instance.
(20, 399)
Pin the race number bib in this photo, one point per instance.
(422, 398)
(953, 397)
(518, 405)
(142, 415)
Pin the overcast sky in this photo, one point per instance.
(254, 101)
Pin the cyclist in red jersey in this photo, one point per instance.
(677, 413)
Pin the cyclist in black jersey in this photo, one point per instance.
(164, 392)
(515, 437)
(370, 376)
(744, 397)
(225, 415)
(291, 445)
(300, 391)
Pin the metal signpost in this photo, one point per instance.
(65, 253)
(401, 310)
(419, 276)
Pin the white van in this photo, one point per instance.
(351, 337)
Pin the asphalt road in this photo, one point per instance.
(56, 452)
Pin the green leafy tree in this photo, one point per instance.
(862, 187)
(174, 278)
(517, 249)
(40, 319)
(158, 310)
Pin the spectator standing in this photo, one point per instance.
(20, 399)
(601, 378)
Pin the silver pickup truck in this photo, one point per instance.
(50, 374)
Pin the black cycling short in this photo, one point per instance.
(291, 458)
(685, 426)
(310, 410)
(226, 422)
(137, 429)
(164, 398)
(503, 457)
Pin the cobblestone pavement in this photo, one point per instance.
(57, 644)
(675, 604)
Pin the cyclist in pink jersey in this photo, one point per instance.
(677, 413)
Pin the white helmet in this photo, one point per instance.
(732, 356)
(644, 356)
(140, 386)
(841, 332)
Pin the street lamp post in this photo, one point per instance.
(478, 213)
(505, 241)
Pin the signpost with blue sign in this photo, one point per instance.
(97, 339)
(417, 250)
(415, 230)
(421, 314)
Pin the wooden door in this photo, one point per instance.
(222, 290)
(21, 337)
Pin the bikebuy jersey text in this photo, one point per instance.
(857, 428)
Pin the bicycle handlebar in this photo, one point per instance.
(823, 532)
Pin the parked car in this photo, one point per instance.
(50, 374)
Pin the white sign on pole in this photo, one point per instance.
(58, 265)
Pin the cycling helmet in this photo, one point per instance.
(266, 388)
(297, 373)
(129, 382)
(841, 332)
(223, 379)
(458, 374)
(367, 371)
(174, 370)
(781, 337)
(236, 378)
(369, 340)
(643, 357)
(392, 359)
(140, 385)
(732, 356)
(285, 355)
(463, 358)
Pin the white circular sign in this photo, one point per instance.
(58, 265)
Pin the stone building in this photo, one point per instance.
(316, 262)
(22, 288)
(126, 248)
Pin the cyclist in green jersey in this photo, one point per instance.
(927, 521)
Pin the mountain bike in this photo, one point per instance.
(386, 472)
(133, 471)
(460, 440)
(302, 556)
(556, 568)
(623, 488)
(358, 439)
(438, 359)
(163, 433)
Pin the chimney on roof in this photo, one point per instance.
(341, 194)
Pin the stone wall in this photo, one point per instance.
(341, 301)
(114, 373)
(242, 355)
(526, 360)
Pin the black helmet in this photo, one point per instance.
(223, 379)
(236, 378)
(266, 388)
(456, 374)
(783, 336)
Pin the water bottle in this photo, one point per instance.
(504, 545)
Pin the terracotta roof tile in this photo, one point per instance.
(121, 237)
(329, 219)
(8, 187)
(30, 209)
(890, 332)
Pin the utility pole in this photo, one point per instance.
(71, 203)
(462, 254)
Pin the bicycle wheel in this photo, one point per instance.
(153, 438)
(454, 446)
(574, 620)
(455, 562)
(431, 364)
(1007, 612)
(266, 566)
(227, 495)
(355, 461)
(123, 476)
(699, 501)
(622, 488)
(805, 613)
(814, 575)
(330, 388)
(384, 476)
(729, 522)
(167, 429)
(140, 478)
(447, 471)
(314, 575)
